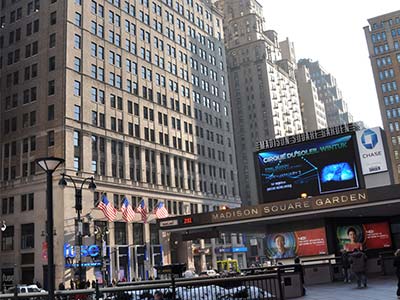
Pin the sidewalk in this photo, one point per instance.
(380, 288)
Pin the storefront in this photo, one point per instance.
(310, 227)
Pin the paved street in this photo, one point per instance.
(381, 288)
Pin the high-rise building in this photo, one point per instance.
(134, 93)
(328, 92)
(312, 109)
(383, 39)
(262, 83)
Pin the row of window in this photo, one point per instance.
(389, 100)
(27, 237)
(393, 113)
(390, 22)
(380, 36)
(118, 165)
(26, 204)
(388, 73)
(388, 87)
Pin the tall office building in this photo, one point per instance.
(262, 82)
(383, 39)
(134, 93)
(328, 92)
(312, 109)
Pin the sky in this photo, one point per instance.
(331, 32)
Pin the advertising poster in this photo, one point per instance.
(298, 243)
(372, 153)
(318, 167)
(364, 236)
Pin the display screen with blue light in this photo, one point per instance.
(317, 167)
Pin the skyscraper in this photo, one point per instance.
(262, 82)
(329, 93)
(134, 93)
(383, 39)
(312, 109)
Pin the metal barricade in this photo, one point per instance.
(251, 287)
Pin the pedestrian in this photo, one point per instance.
(346, 266)
(158, 295)
(358, 261)
(72, 284)
(396, 264)
(299, 269)
(93, 284)
(61, 286)
(38, 284)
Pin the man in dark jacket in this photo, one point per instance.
(346, 266)
(358, 261)
(396, 264)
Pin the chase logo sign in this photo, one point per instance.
(369, 139)
(371, 150)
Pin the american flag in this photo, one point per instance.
(142, 210)
(160, 211)
(128, 213)
(106, 207)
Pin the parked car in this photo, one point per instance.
(209, 273)
(190, 274)
(26, 288)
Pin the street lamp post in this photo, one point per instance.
(49, 165)
(78, 207)
(103, 232)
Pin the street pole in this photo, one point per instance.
(78, 208)
(50, 236)
(49, 165)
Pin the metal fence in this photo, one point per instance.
(251, 287)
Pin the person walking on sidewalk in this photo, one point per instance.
(358, 261)
(396, 264)
(346, 266)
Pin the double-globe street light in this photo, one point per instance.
(78, 207)
(49, 165)
(103, 232)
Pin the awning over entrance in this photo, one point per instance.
(376, 202)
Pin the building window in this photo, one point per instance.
(76, 139)
(52, 40)
(51, 88)
(77, 64)
(27, 236)
(77, 112)
(53, 18)
(50, 112)
(7, 239)
(50, 138)
(77, 88)
(120, 233)
(27, 202)
(52, 64)
(77, 41)
(138, 238)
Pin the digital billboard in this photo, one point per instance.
(364, 236)
(317, 167)
(298, 243)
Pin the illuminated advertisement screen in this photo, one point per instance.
(364, 236)
(298, 243)
(317, 167)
